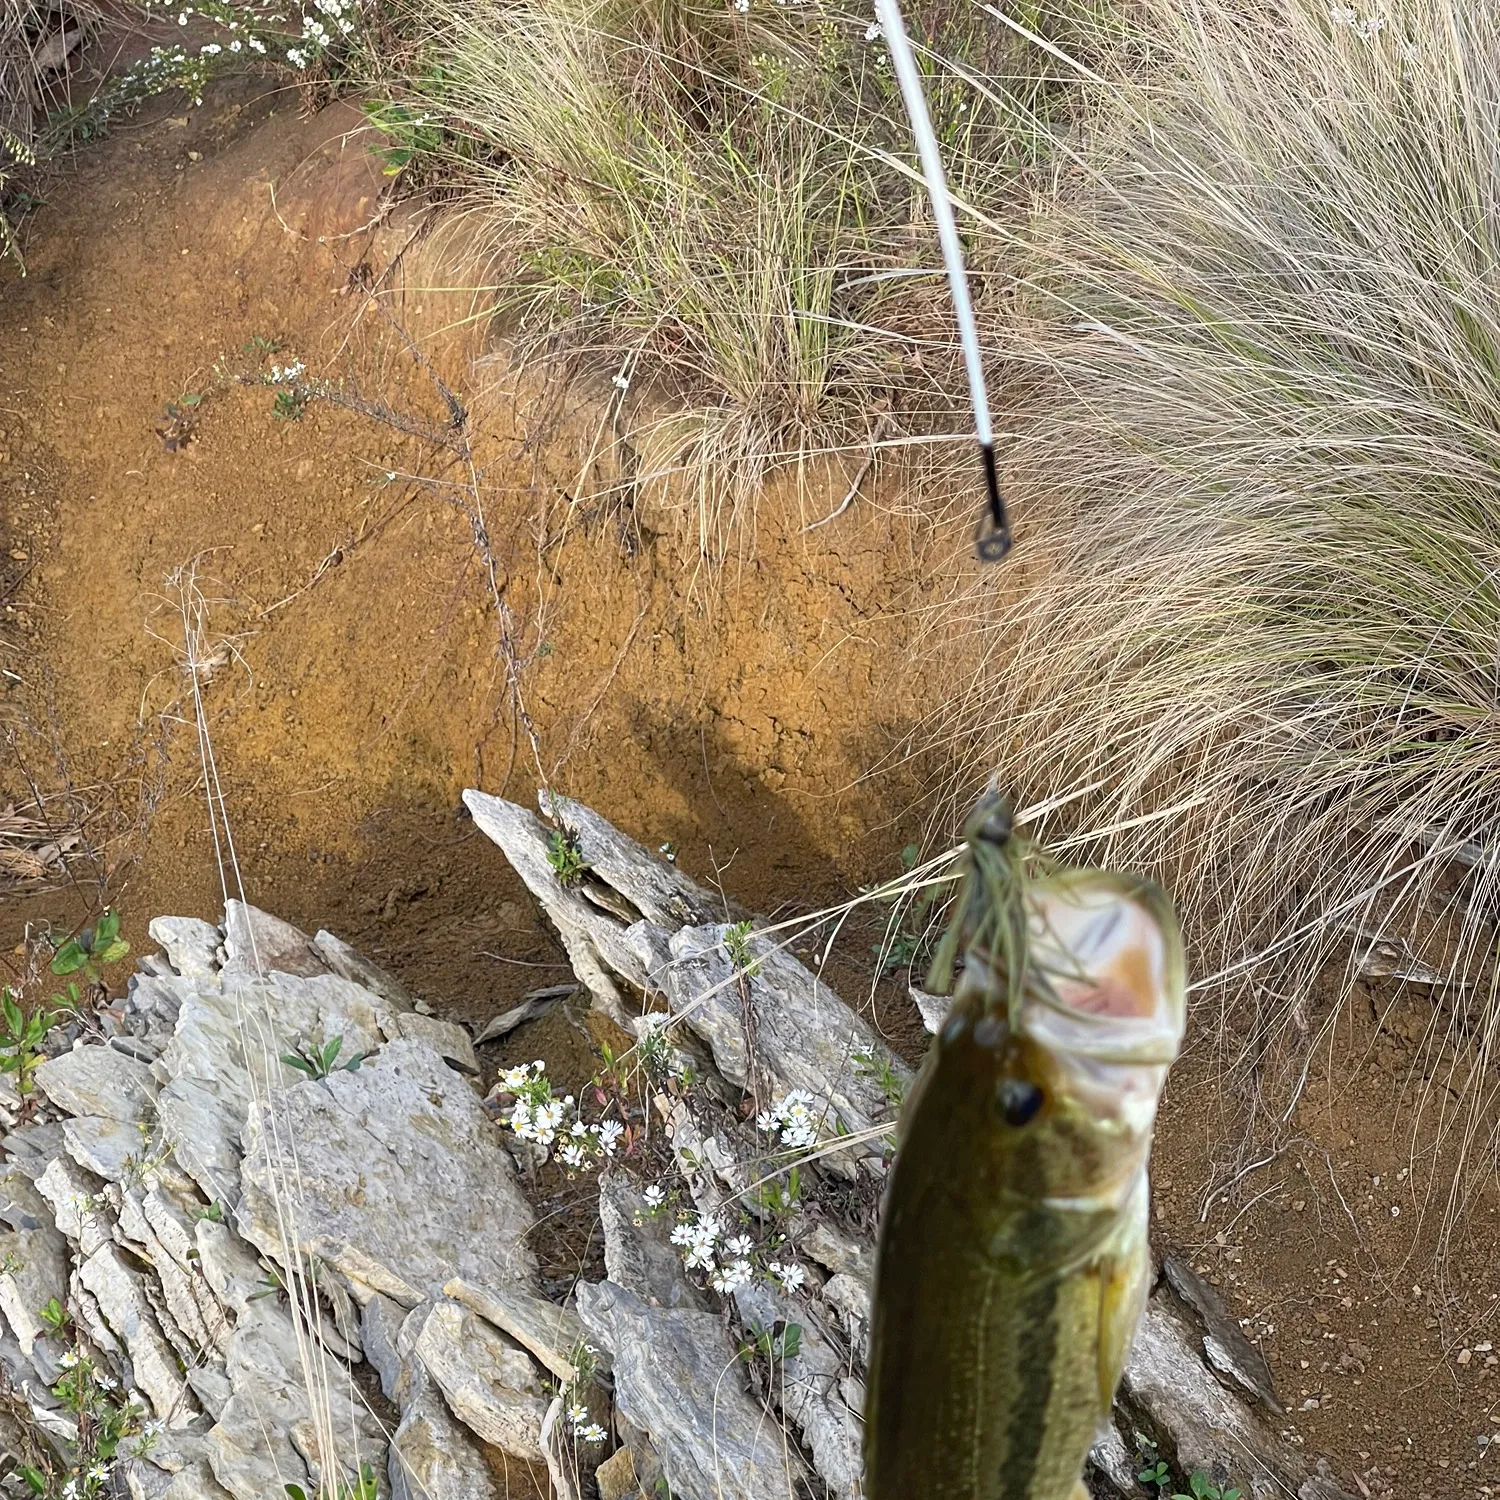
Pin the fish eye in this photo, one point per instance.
(1017, 1101)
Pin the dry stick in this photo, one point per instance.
(876, 433)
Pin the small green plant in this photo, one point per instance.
(1202, 1487)
(565, 855)
(775, 1343)
(319, 1062)
(1155, 1475)
(363, 1488)
(409, 133)
(55, 1316)
(289, 405)
(259, 344)
(780, 1198)
(737, 945)
(214, 1213)
(883, 1071)
(21, 1038)
(93, 949)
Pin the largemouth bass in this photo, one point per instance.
(1013, 1262)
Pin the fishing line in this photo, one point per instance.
(996, 542)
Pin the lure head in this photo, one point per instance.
(1069, 1009)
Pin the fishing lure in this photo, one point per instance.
(996, 542)
(1014, 1262)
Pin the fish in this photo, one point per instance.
(1013, 1262)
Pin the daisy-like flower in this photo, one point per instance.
(577, 1414)
(592, 1433)
(571, 1156)
(655, 1196)
(735, 1274)
(740, 1246)
(512, 1080)
(873, 32)
(789, 1276)
(609, 1135)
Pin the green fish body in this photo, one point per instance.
(1014, 1262)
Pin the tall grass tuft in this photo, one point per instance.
(1269, 610)
(714, 206)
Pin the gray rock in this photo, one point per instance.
(932, 1008)
(109, 1148)
(1172, 1398)
(203, 1121)
(1224, 1343)
(128, 1313)
(488, 1380)
(850, 1298)
(638, 1255)
(33, 1148)
(839, 1252)
(449, 1040)
(256, 943)
(380, 1328)
(547, 1331)
(810, 1389)
(195, 1482)
(36, 1262)
(433, 1455)
(266, 1434)
(184, 1293)
(191, 945)
(401, 1180)
(98, 1081)
(211, 1386)
(677, 1377)
(805, 1036)
(79, 1208)
(358, 969)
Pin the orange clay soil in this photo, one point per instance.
(354, 688)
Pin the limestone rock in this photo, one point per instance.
(191, 945)
(36, 1261)
(810, 1389)
(433, 1455)
(805, 1036)
(488, 1381)
(448, 1039)
(380, 1328)
(638, 1255)
(548, 1331)
(129, 1315)
(256, 943)
(839, 1252)
(196, 1482)
(401, 1180)
(78, 1204)
(676, 1377)
(109, 1148)
(358, 969)
(98, 1081)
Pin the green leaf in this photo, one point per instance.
(71, 957)
(35, 1479)
(112, 953)
(299, 1063)
(107, 930)
(296, 1492)
(15, 1021)
(331, 1052)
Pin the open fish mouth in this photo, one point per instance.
(1105, 1005)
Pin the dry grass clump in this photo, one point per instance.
(711, 205)
(1271, 604)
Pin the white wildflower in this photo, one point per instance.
(655, 1196)
(873, 32)
(577, 1414)
(790, 1275)
(593, 1433)
(68, 1359)
(1371, 27)
(609, 1134)
(234, 46)
(513, 1080)
(571, 1156)
(255, 44)
(622, 382)
(298, 59)
(210, 49)
(740, 1246)
(736, 1274)
(1343, 15)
